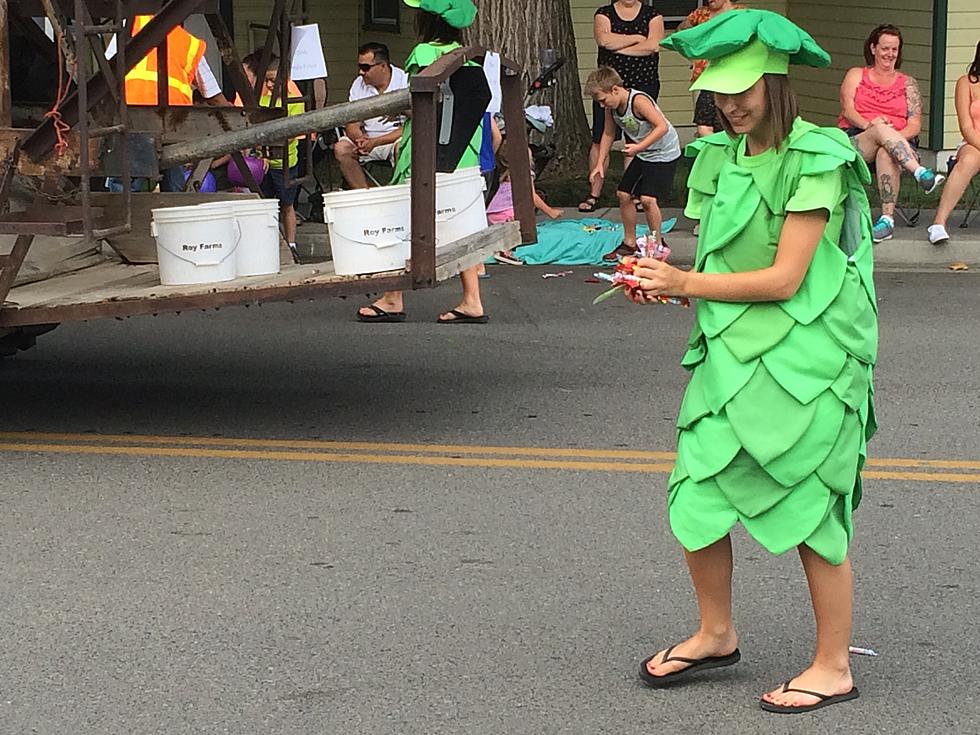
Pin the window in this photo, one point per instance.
(381, 15)
(674, 11)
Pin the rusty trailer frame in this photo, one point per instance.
(31, 152)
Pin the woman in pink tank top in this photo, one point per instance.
(881, 110)
(967, 155)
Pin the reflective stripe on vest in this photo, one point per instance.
(184, 53)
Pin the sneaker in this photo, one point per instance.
(883, 230)
(930, 181)
(938, 235)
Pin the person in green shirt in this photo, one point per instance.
(774, 424)
(438, 25)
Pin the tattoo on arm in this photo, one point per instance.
(914, 98)
(886, 189)
(899, 150)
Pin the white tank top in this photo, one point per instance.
(668, 148)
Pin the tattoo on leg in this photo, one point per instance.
(898, 151)
(886, 189)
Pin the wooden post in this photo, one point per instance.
(424, 128)
(10, 264)
(5, 111)
(517, 155)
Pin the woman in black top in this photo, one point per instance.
(628, 34)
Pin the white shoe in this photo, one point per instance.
(938, 235)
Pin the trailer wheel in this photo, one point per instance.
(18, 339)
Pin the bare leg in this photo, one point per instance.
(830, 673)
(711, 572)
(628, 211)
(596, 185)
(288, 214)
(654, 217)
(471, 305)
(889, 181)
(884, 136)
(967, 166)
(349, 161)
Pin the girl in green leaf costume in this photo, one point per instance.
(774, 422)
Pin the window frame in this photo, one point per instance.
(385, 25)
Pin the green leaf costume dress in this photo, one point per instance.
(423, 55)
(773, 426)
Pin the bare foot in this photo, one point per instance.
(699, 645)
(829, 681)
(391, 304)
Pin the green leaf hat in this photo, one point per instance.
(457, 13)
(742, 45)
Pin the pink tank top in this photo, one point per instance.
(873, 100)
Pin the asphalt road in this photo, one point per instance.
(278, 520)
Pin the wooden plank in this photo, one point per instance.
(117, 290)
(137, 246)
(475, 249)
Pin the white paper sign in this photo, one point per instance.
(308, 61)
(491, 67)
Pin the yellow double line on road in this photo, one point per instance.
(452, 455)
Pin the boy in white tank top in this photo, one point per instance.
(651, 143)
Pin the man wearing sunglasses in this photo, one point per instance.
(374, 139)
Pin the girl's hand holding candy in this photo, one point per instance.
(659, 279)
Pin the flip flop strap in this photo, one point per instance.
(682, 659)
(378, 310)
(818, 695)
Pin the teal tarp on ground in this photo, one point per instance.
(577, 241)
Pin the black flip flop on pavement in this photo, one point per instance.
(825, 701)
(460, 317)
(380, 315)
(696, 664)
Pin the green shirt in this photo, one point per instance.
(422, 56)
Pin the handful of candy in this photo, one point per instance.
(622, 276)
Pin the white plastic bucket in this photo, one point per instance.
(460, 210)
(195, 245)
(258, 221)
(370, 229)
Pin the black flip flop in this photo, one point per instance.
(825, 701)
(460, 318)
(696, 664)
(589, 204)
(380, 315)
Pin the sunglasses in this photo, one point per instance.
(368, 67)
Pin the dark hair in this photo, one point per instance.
(252, 61)
(432, 28)
(975, 67)
(379, 50)
(782, 108)
(885, 29)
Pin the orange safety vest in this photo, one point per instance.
(184, 53)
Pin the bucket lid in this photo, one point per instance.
(192, 213)
(362, 197)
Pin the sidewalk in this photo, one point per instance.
(909, 248)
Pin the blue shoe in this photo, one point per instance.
(930, 181)
(883, 229)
